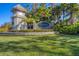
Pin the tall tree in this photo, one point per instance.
(56, 12)
(44, 12)
(73, 10)
(64, 7)
(35, 7)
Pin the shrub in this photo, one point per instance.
(67, 29)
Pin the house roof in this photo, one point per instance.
(19, 8)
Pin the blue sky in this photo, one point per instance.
(5, 12)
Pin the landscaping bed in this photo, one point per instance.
(25, 33)
(33, 30)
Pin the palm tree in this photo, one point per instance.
(35, 7)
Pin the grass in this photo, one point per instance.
(47, 45)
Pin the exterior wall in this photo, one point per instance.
(35, 26)
(18, 23)
(23, 26)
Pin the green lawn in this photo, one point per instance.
(51, 45)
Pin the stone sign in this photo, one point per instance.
(44, 25)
